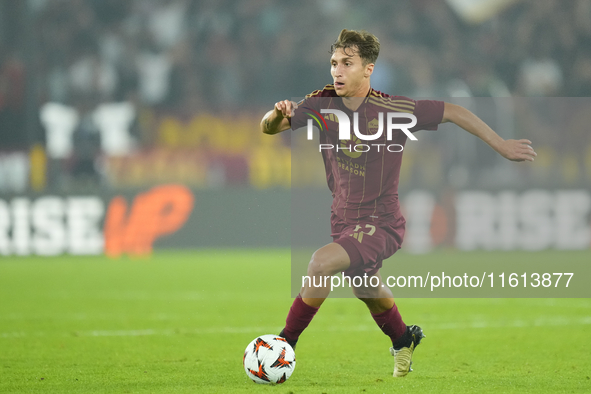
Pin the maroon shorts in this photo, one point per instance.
(367, 243)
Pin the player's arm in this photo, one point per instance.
(277, 120)
(514, 150)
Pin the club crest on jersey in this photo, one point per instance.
(373, 126)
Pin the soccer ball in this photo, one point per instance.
(269, 359)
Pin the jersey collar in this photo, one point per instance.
(367, 97)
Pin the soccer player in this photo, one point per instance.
(366, 222)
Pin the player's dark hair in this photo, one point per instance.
(365, 43)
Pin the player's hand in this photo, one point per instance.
(517, 150)
(285, 108)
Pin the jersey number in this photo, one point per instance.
(358, 234)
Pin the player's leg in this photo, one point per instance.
(325, 262)
(384, 311)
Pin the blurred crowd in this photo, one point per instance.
(218, 57)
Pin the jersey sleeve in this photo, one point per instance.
(429, 114)
(311, 101)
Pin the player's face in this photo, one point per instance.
(350, 75)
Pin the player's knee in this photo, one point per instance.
(318, 267)
(321, 264)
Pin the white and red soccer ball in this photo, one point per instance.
(269, 359)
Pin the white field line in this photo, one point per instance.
(546, 321)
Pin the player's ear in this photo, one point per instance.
(368, 70)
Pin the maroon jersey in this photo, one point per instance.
(364, 185)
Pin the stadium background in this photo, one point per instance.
(186, 82)
(132, 126)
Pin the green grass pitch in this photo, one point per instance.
(178, 322)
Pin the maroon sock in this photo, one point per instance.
(299, 316)
(391, 323)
